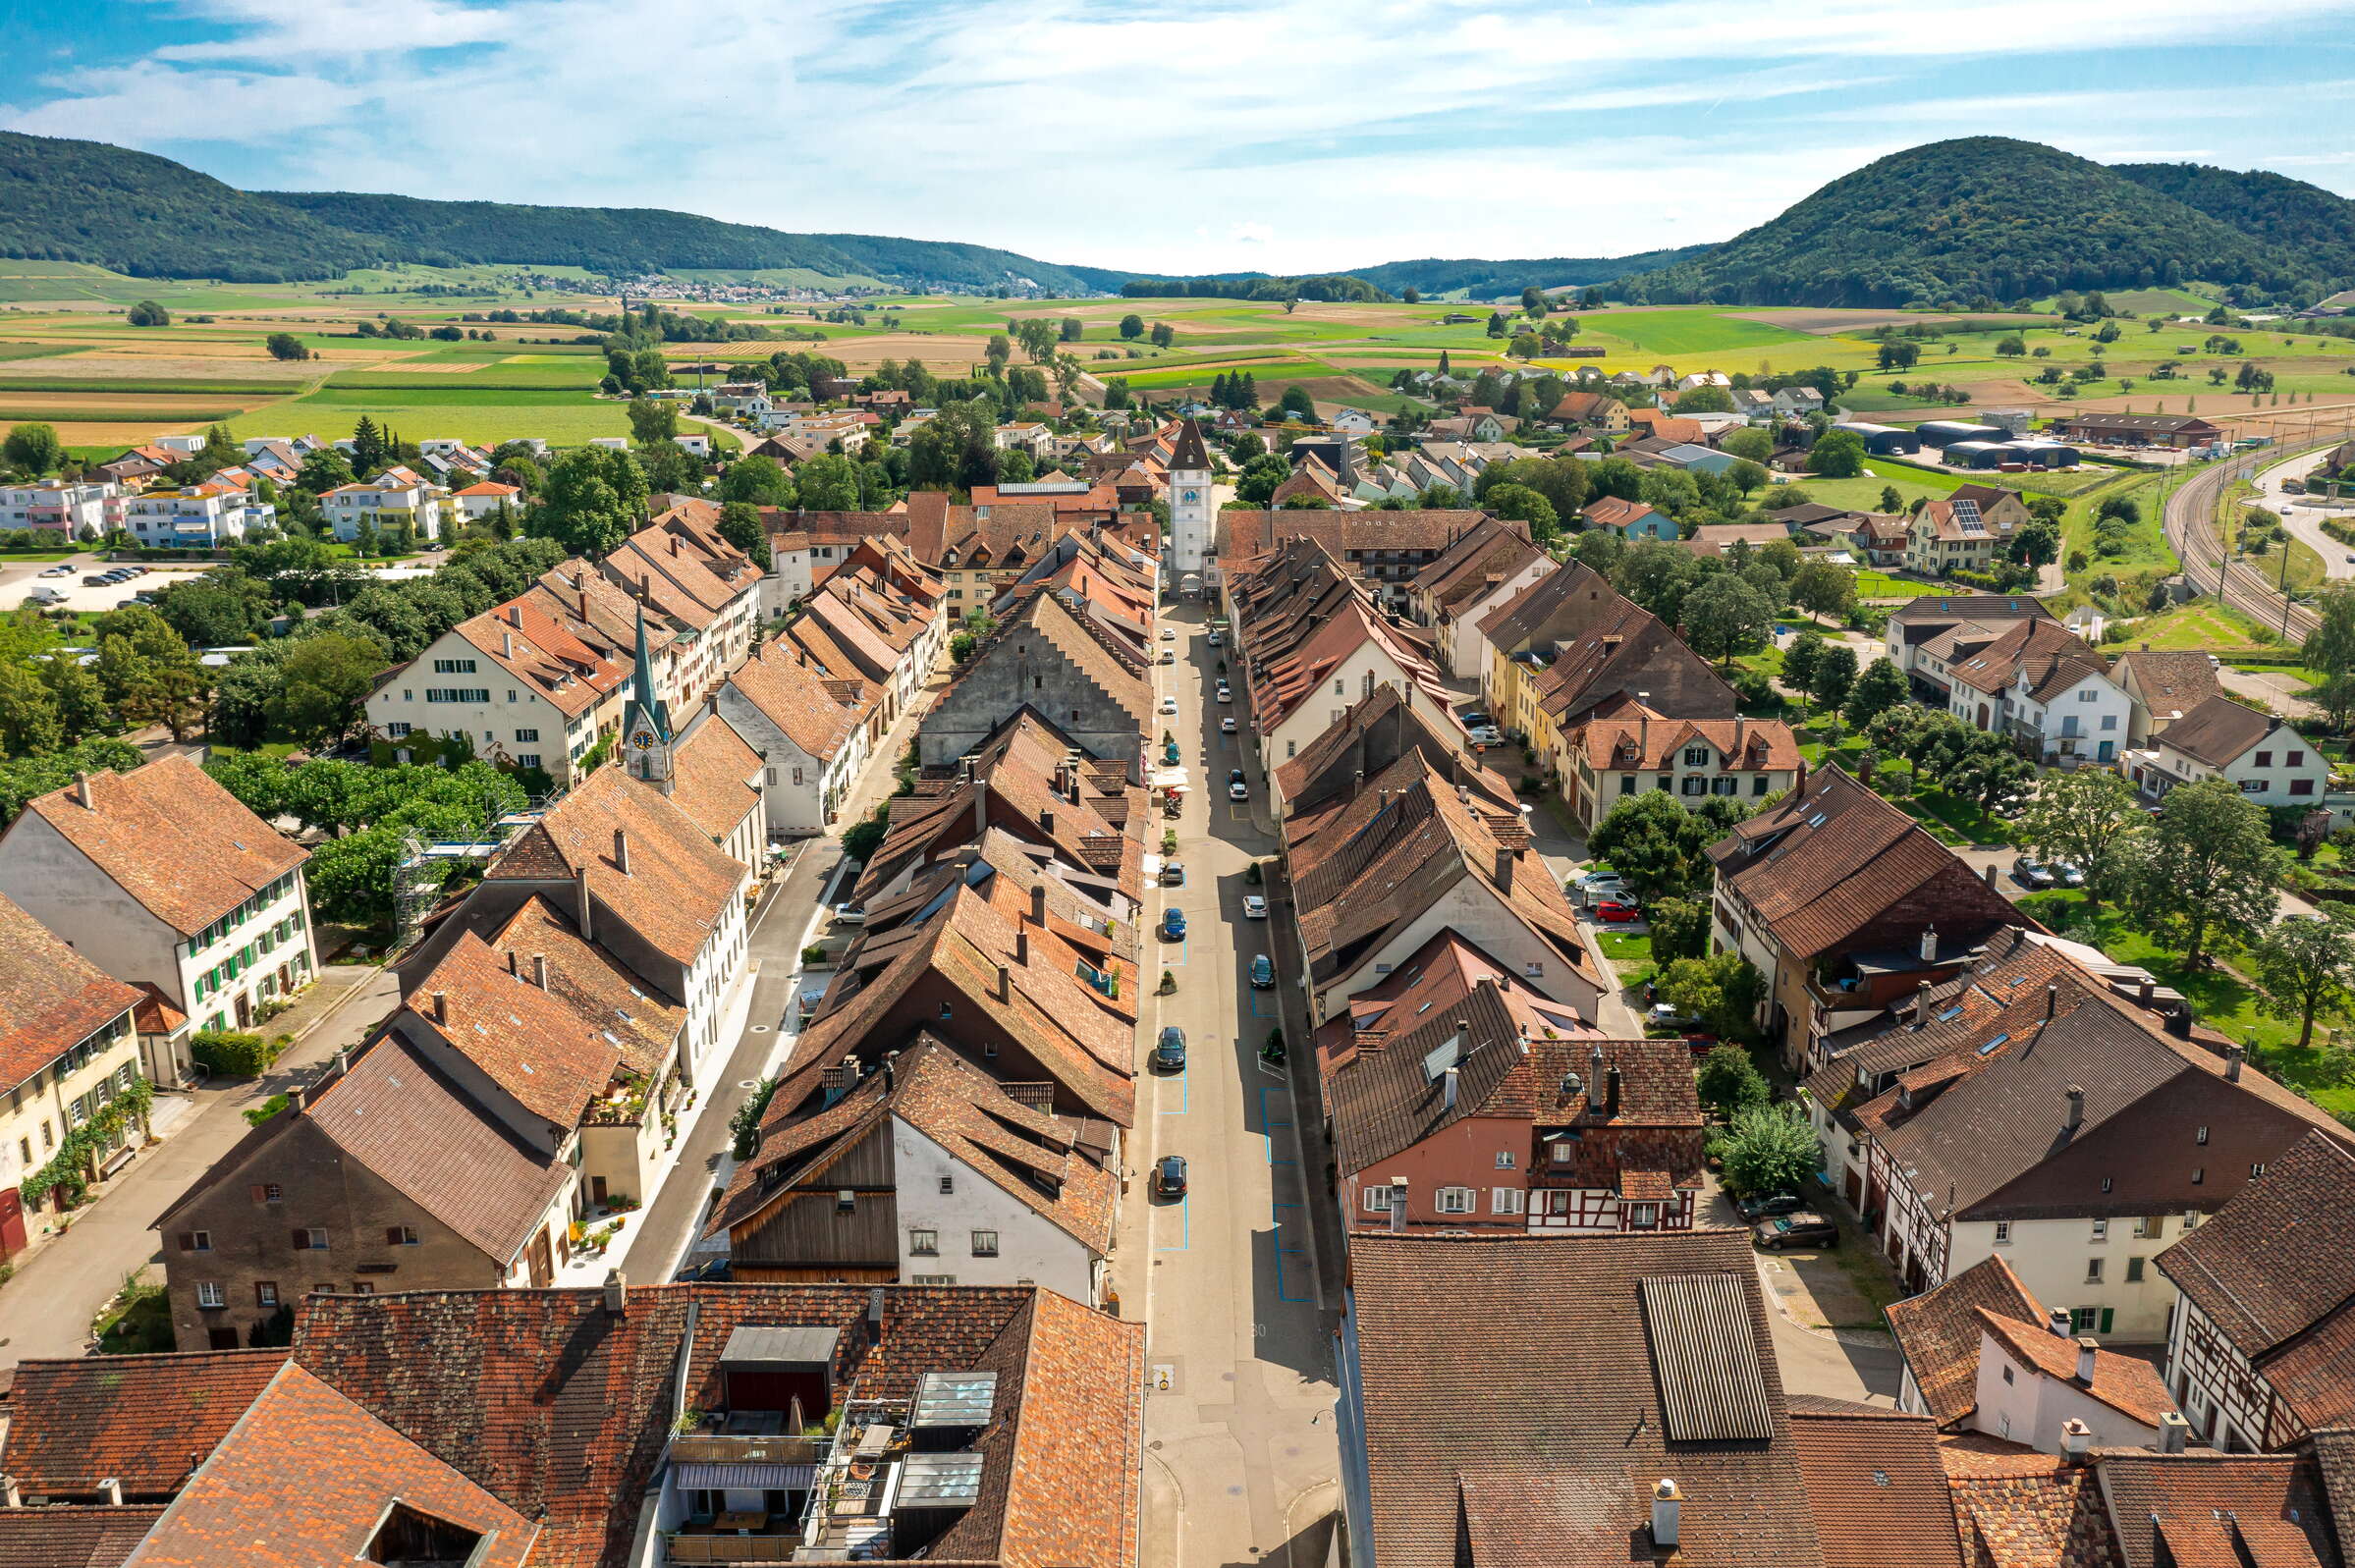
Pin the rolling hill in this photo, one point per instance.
(2315, 223)
(1484, 280)
(1973, 222)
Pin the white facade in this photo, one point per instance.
(802, 791)
(1367, 668)
(62, 507)
(2026, 1404)
(1192, 521)
(1476, 914)
(2099, 1270)
(965, 1214)
(2087, 721)
(454, 688)
(386, 506)
(258, 953)
(2281, 770)
(183, 520)
(64, 1093)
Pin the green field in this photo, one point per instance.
(1881, 585)
(1693, 331)
(565, 424)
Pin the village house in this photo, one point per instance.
(1928, 635)
(1622, 749)
(1844, 905)
(2162, 688)
(73, 509)
(1951, 535)
(397, 503)
(483, 499)
(513, 687)
(2041, 683)
(1388, 549)
(805, 548)
(810, 741)
(1482, 570)
(1049, 659)
(976, 554)
(2259, 754)
(707, 589)
(209, 515)
(161, 878)
(1631, 520)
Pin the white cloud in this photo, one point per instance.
(1091, 131)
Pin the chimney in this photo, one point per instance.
(620, 851)
(11, 1494)
(1504, 868)
(297, 1095)
(1448, 1088)
(110, 1491)
(2235, 1056)
(582, 596)
(1988, 874)
(1004, 983)
(1921, 1006)
(441, 1006)
(1929, 944)
(1742, 742)
(1021, 947)
(2143, 989)
(875, 1312)
(1038, 904)
(1611, 1094)
(341, 1062)
(645, 586)
(1046, 821)
(1667, 1503)
(980, 809)
(2086, 1346)
(580, 887)
(2174, 1432)
(2052, 1002)
(507, 645)
(891, 1072)
(1398, 1204)
(82, 791)
(515, 616)
(616, 1293)
(2076, 1438)
(2058, 1323)
(2076, 1110)
(539, 971)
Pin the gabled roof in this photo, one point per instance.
(2205, 1509)
(95, 1537)
(184, 848)
(1372, 733)
(1487, 555)
(2169, 684)
(1938, 1333)
(1621, 733)
(1303, 618)
(2053, 659)
(1244, 535)
(608, 994)
(550, 1060)
(145, 1420)
(310, 1477)
(2127, 1385)
(1611, 512)
(1874, 1487)
(2219, 731)
(1492, 1447)
(2017, 1508)
(713, 778)
(793, 696)
(51, 998)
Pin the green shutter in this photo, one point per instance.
(2106, 1315)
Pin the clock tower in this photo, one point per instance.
(1192, 510)
(647, 722)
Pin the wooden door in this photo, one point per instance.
(543, 1272)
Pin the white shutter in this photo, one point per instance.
(1505, 1200)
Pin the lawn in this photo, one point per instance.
(2198, 625)
(1694, 331)
(2142, 546)
(565, 423)
(1881, 585)
(138, 1324)
(1863, 492)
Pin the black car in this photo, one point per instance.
(1802, 1228)
(1168, 1177)
(1756, 1208)
(1169, 1052)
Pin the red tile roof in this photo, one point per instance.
(1938, 1333)
(1874, 1487)
(145, 1420)
(74, 1538)
(51, 998)
(549, 1059)
(2127, 1385)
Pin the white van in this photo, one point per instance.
(44, 593)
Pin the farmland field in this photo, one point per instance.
(1685, 331)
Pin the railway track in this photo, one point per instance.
(2190, 527)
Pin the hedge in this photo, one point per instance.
(236, 1053)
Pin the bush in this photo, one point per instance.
(235, 1054)
(265, 1110)
(1729, 1083)
(813, 955)
(1770, 1148)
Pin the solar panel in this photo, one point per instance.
(1705, 1354)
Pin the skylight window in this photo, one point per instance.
(1992, 1044)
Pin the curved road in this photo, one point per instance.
(2190, 515)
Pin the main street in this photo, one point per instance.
(1232, 1279)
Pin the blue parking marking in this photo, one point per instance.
(1182, 943)
(1283, 1289)
(1256, 994)
(1185, 1091)
(1268, 1122)
(1185, 1228)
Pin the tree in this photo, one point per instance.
(1520, 504)
(1836, 455)
(1726, 617)
(1752, 446)
(1680, 928)
(147, 313)
(323, 470)
(1412, 297)
(1163, 337)
(1705, 399)
(1834, 677)
(285, 346)
(1728, 1081)
(1898, 355)
(149, 671)
(33, 447)
(828, 482)
(2207, 860)
(2330, 648)
(1799, 660)
(1257, 483)
(28, 721)
(2304, 966)
(595, 498)
(739, 525)
(758, 482)
(323, 679)
(1070, 329)
(1132, 325)
(652, 424)
(2012, 345)
(1296, 404)
(1879, 689)
(2336, 698)
(2088, 817)
(1824, 589)
(1659, 849)
(218, 609)
(1769, 1149)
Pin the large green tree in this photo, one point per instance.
(739, 525)
(1836, 455)
(1726, 617)
(322, 681)
(595, 498)
(758, 482)
(2207, 861)
(2306, 966)
(2089, 817)
(1769, 1149)
(33, 447)
(1879, 689)
(1659, 849)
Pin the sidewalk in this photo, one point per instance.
(62, 1285)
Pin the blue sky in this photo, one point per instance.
(1284, 134)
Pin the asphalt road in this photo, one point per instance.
(1241, 1460)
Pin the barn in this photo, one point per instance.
(1883, 441)
(1944, 433)
(1978, 455)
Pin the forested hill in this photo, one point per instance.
(1488, 280)
(149, 216)
(2287, 213)
(1974, 222)
(65, 201)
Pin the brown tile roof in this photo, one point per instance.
(1874, 1487)
(427, 1139)
(2052, 656)
(2204, 1509)
(1716, 539)
(712, 773)
(1488, 553)
(309, 1477)
(51, 998)
(677, 889)
(2127, 1385)
(521, 638)
(599, 986)
(2219, 730)
(1302, 617)
(550, 1060)
(1938, 1333)
(1243, 535)
(1553, 1434)
(2169, 684)
(145, 1420)
(74, 1538)
(1621, 733)
(597, 611)
(1372, 733)
(1667, 426)
(155, 1014)
(1611, 512)
(2017, 1508)
(181, 846)
(1838, 862)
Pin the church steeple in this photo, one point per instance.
(647, 722)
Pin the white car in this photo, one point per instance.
(1225, 723)
(1598, 887)
(1486, 736)
(1169, 705)
(1254, 906)
(1225, 694)
(1169, 633)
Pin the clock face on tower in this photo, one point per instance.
(1194, 495)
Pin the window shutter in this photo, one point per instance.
(260, 1193)
(301, 1240)
(2107, 1312)
(392, 1235)
(187, 1241)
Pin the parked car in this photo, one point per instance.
(1218, 639)
(1254, 906)
(1665, 1015)
(1167, 657)
(1599, 885)
(1613, 913)
(1262, 973)
(1225, 723)
(1172, 923)
(1168, 753)
(96, 579)
(1486, 736)
(850, 914)
(1169, 705)
(2067, 873)
(1226, 693)
(1169, 1052)
(1172, 874)
(1168, 1177)
(1169, 633)
(1238, 787)
(59, 570)
(1803, 1227)
(2031, 875)
(1759, 1206)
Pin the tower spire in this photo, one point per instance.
(647, 722)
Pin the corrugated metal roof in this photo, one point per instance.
(1712, 1387)
(704, 1477)
(803, 1346)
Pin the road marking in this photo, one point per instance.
(1185, 1092)
(1268, 1122)
(1276, 1241)
(1255, 1012)
(1178, 963)
(1185, 1226)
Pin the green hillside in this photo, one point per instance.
(1484, 280)
(1970, 222)
(2304, 219)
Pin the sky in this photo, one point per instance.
(1284, 135)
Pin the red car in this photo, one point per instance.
(1618, 913)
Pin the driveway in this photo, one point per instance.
(2303, 517)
